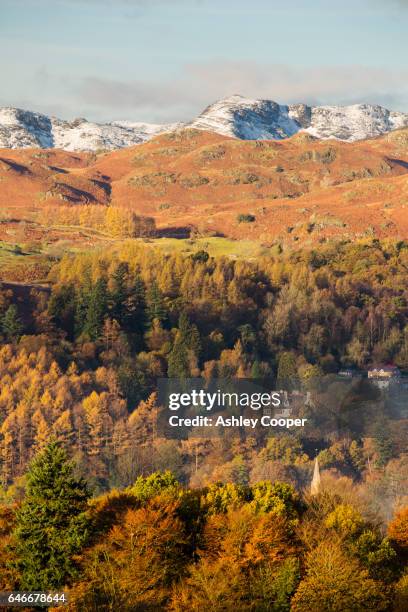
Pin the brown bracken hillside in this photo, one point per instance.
(296, 190)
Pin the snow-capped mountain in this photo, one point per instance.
(264, 119)
(248, 119)
(21, 129)
(234, 116)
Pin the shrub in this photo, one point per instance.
(200, 256)
(245, 218)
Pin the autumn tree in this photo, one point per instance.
(242, 564)
(133, 566)
(287, 370)
(147, 487)
(398, 530)
(335, 582)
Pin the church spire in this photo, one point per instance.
(316, 481)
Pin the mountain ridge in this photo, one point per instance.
(234, 116)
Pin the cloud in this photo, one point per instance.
(156, 101)
(197, 85)
(200, 84)
(320, 84)
(122, 94)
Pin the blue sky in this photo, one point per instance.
(158, 60)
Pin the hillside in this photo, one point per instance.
(299, 190)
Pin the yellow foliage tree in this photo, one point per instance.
(335, 582)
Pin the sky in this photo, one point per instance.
(166, 60)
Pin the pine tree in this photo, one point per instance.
(61, 308)
(156, 308)
(256, 370)
(189, 335)
(132, 382)
(178, 362)
(383, 442)
(248, 337)
(135, 318)
(51, 524)
(194, 341)
(82, 296)
(96, 311)
(11, 323)
(184, 326)
(119, 292)
(186, 349)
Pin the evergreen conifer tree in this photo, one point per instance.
(119, 292)
(51, 524)
(194, 342)
(135, 319)
(187, 345)
(11, 323)
(383, 442)
(178, 361)
(82, 297)
(189, 334)
(61, 308)
(256, 370)
(96, 311)
(156, 308)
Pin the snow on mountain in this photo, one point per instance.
(264, 119)
(247, 119)
(234, 116)
(21, 129)
(355, 122)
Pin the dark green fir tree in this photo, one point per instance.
(256, 370)
(51, 524)
(96, 310)
(383, 442)
(156, 308)
(119, 293)
(189, 335)
(11, 323)
(82, 297)
(178, 361)
(136, 318)
(62, 308)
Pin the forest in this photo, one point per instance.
(150, 523)
(157, 545)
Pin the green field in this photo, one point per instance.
(216, 247)
(20, 261)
